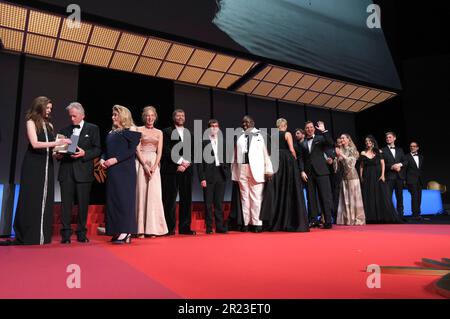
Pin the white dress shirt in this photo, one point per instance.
(310, 141)
(214, 143)
(392, 150)
(77, 131)
(416, 159)
(180, 131)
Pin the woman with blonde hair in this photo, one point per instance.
(283, 207)
(149, 209)
(351, 208)
(121, 144)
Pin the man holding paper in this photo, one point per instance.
(76, 172)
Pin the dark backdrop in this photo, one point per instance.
(100, 89)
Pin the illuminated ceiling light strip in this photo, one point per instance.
(201, 58)
(70, 51)
(275, 75)
(322, 99)
(308, 81)
(88, 41)
(43, 23)
(308, 97)
(211, 76)
(334, 102)
(240, 67)
(61, 22)
(351, 88)
(140, 54)
(319, 85)
(248, 86)
(115, 49)
(164, 59)
(78, 35)
(40, 45)
(291, 78)
(221, 63)
(282, 79)
(179, 53)
(264, 88)
(13, 16)
(359, 93)
(27, 20)
(12, 39)
(261, 74)
(279, 91)
(145, 64)
(131, 43)
(294, 85)
(334, 87)
(185, 64)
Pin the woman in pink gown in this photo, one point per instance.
(149, 210)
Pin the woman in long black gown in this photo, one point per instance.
(34, 214)
(121, 144)
(377, 203)
(283, 207)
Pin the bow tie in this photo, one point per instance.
(392, 147)
(76, 126)
(415, 154)
(309, 138)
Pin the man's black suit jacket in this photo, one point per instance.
(389, 160)
(414, 173)
(315, 161)
(169, 166)
(206, 170)
(83, 168)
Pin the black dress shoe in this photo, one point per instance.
(209, 231)
(244, 229)
(187, 232)
(315, 224)
(10, 243)
(327, 226)
(82, 239)
(258, 229)
(65, 241)
(221, 231)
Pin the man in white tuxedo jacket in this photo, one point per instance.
(251, 167)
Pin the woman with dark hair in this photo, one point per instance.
(377, 204)
(34, 215)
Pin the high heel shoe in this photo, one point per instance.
(125, 240)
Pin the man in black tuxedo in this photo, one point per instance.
(213, 172)
(176, 166)
(76, 172)
(394, 159)
(414, 182)
(315, 172)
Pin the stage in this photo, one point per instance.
(320, 264)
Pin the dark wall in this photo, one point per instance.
(57, 81)
(9, 77)
(293, 113)
(425, 108)
(100, 89)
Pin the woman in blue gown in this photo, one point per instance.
(121, 144)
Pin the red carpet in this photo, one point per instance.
(319, 264)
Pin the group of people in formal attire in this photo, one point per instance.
(148, 168)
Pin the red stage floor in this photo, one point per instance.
(319, 264)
